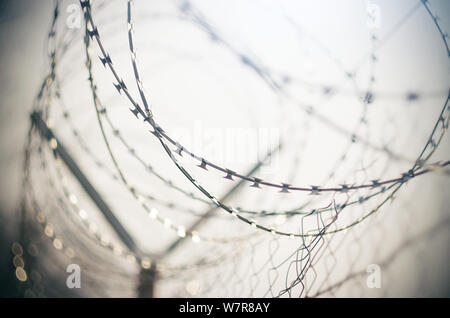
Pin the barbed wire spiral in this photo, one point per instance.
(298, 202)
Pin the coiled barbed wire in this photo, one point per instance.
(318, 224)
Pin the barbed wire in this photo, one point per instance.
(269, 251)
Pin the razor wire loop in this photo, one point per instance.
(169, 182)
(159, 133)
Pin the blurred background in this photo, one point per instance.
(338, 94)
